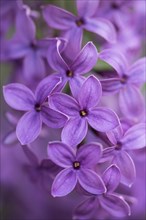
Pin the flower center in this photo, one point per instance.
(33, 45)
(83, 113)
(114, 5)
(69, 73)
(80, 22)
(76, 165)
(37, 107)
(124, 79)
(118, 146)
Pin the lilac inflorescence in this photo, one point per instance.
(84, 99)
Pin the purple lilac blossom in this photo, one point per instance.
(126, 83)
(72, 71)
(73, 26)
(83, 111)
(24, 45)
(78, 167)
(21, 98)
(109, 202)
(92, 151)
(123, 143)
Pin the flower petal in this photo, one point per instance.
(33, 66)
(75, 84)
(25, 27)
(86, 209)
(46, 87)
(131, 102)
(74, 38)
(137, 71)
(61, 18)
(108, 154)
(52, 118)
(74, 131)
(112, 85)
(54, 57)
(115, 135)
(102, 119)
(89, 154)
(126, 166)
(115, 205)
(87, 8)
(18, 96)
(16, 49)
(115, 59)
(91, 182)
(85, 60)
(32, 158)
(102, 27)
(28, 127)
(90, 93)
(10, 138)
(61, 154)
(134, 138)
(111, 178)
(64, 104)
(64, 183)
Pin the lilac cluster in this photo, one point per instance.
(89, 94)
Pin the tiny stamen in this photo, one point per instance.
(33, 45)
(118, 146)
(80, 22)
(76, 165)
(124, 79)
(83, 113)
(69, 73)
(37, 107)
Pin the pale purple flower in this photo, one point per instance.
(78, 167)
(132, 139)
(24, 45)
(40, 172)
(126, 83)
(109, 203)
(11, 137)
(72, 71)
(83, 111)
(21, 98)
(73, 26)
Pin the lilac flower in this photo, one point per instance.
(82, 111)
(24, 46)
(126, 83)
(11, 138)
(21, 98)
(39, 172)
(134, 138)
(72, 26)
(77, 168)
(72, 71)
(108, 203)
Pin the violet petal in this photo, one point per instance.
(18, 96)
(90, 93)
(91, 182)
(64, 183)
(74, 131)
(29, 127)
(89, 154)
(102, 119)
(61, 154)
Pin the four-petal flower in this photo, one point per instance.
(21, 98)
(78, 167)
(82, 111)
